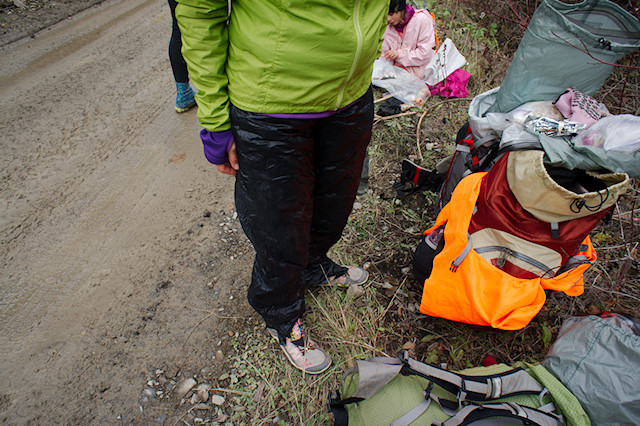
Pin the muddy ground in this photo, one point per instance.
(120, 253)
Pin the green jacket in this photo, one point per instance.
(278, 56)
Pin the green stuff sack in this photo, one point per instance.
(552, 53)
(598, 359)
(401, 391)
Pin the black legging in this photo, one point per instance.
(178, 65)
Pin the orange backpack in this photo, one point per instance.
(464, 287)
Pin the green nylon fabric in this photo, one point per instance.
(567, 45)
(405, 392)
(295, 56)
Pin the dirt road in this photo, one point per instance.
(117, 237)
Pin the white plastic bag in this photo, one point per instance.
(446, 60)
(613, 133)
(399, 83)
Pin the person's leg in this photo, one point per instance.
(273, 197)
(274, 186)
(341, 143)
(185, 98)
(178, 65)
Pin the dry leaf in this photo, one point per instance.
(178, 158)
(409, 346)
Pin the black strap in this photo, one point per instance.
(525, 415)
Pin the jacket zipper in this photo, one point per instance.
(356, 59)
(506, 252)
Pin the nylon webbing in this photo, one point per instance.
(412, 415)
(526, 415)
(458, 260)
(513, 382)
(482, 141)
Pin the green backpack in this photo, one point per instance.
(402, 391)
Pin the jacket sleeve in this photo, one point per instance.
(423, 50)
(388, 43)
(205, 42)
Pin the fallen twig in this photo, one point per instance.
(384, 98)
(211, 314)
(378, 118)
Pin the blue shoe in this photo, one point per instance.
(185, 98)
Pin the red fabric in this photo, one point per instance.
(489, 360)
(499, 209)
(454, 86)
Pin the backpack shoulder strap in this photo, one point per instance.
(515, 413)
(477, 388)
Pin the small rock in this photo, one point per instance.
(257, 396)
(203, 391)
(161, 420)
(222, 418)
(355, 291)
(385, 286)
(357, 206)
(217, 399)
(202, 406)
(19, 3)
(219, 356)
(172, 372)
(405, 270)
(185, 386)
(148, 392)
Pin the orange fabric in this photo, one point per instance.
(477, 292)
(435, 30)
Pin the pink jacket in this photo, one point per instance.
(419, 43)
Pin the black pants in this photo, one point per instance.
(294, 192)
(178, 65)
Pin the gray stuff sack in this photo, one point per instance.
(552, 53)
(598, 360)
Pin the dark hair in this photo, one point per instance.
(397, 6)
